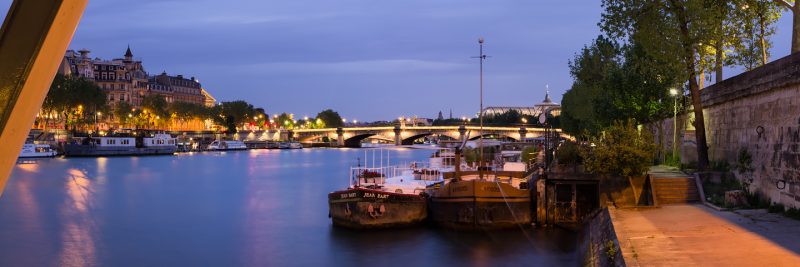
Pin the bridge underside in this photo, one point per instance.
(355, 141)
(493, 136)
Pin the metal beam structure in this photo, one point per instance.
(33, 39)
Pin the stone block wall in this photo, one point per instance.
(758, 111)
(599, 245)
(767, 125)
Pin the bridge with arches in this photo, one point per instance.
(405, 135)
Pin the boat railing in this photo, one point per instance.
(371, 175)
(376, 175)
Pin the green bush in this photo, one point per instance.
(673, 161)
(757, 201)
(744, 161)
(715, 192)
(622, 150)
(529, 154)
(793, 213)
(776, 208)
(568, 153)
(720, 166)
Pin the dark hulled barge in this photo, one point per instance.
(384, 197)
(470, 203)
(364, 208)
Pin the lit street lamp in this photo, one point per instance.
(674, 93)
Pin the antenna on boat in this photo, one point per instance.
(457, 159)
(482, 57)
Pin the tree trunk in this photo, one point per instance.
(718, 61)
(761, 24)
(718, 57)
(699, 123)
(795, 27)
(694, 89)
(702, 79)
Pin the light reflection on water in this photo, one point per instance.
(254, 208)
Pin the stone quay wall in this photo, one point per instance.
(758, 111)
(599, 245)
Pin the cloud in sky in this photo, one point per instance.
(370, 60)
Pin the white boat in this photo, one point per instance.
(159, 144)
(227, 145)
(36, 151)
(284, 145)
(295, 145)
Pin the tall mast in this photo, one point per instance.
(480, 113)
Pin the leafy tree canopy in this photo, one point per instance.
(330, 118)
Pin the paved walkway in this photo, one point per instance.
(695, 235)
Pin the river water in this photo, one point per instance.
(247, 208)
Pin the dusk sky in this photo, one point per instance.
(369, 60)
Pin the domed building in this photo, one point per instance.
(545, 106)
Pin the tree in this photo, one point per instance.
(795, 8)
(240, 111)
(285, 120)
(123, 112)
(755, 22)
(76, 100)
(589, 70)
(621, 150)
(182, 112)
(330, 118)
(672, 31)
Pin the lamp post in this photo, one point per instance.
(674, 93)
(543, 122)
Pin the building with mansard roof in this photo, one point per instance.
(534, 111)
(125, 79)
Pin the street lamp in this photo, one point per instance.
(674, 93)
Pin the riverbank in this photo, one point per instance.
(695, 235)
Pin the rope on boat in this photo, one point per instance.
(497, 181)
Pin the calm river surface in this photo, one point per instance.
(252, 208)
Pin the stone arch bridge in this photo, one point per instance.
(405, 135)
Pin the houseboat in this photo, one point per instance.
(37, 151)
(384, 197)
(221, 145)
(158, 144)
(295, 145)
(290, 145)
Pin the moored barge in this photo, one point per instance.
(364, 208)
(470, 203)
(384, 197)
(159, 144)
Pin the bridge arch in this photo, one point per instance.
(472, 138)
(355, 140)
